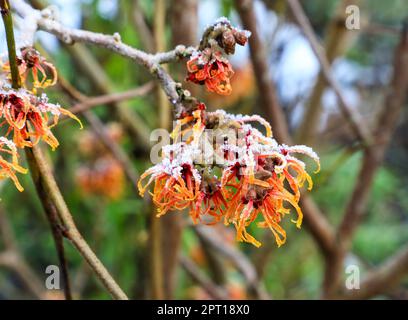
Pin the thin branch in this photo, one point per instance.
(143, 30)
(198, 276)
(242, 263)
(91, 102)
(111, 42)
(11, 45)
(267, 91)
(357, 125)
(372, 159)
(382, 279)
(97, 126)
(48, 207)
(43, 178)
(316, 222)
(337, 40)
(12, 259)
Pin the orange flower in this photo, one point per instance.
(175, 187)
(260, 190)
(254, 180)
(211, 70)
(209, 202)
(9, 169)
(43, 74)
(27, 116)
(105, 177)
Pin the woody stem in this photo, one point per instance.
(11, 44)
(48, 191)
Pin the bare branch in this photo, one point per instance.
(44, 179)
(372, 159)
(91, 102)
(316, 222)
(195, 273)
(356, 123)
(382, 279)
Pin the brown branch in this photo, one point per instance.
(382, 279)
(195, 273)
(57, 234)
(372, 159)
(97, 126)
(357, 125)
(337, 40)
(143, 30)
(44, 179)
(91, 102)
(242, 263)
(267, 91)
(12, 259)
(314, 219)
(48, 207)
(113, 43)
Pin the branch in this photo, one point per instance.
(372, 159)
(316, 222)
(356, 123)
(12, 259)
(11, 45)
(113, 43)
(97, 126)
(143, 30)
(337, 40)
(267, 91)
(383, 278)
(44, 180)
(242, 263)
(195, 273)
(91, 102)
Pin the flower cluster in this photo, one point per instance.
(100, 174)
(25, 116)
(247, 177)
(208, 65)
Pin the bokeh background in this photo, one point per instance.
(117, 222)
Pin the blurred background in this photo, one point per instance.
(117, 222)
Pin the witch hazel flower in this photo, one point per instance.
(9, 168)
(29, 118)
(34, 70)
(208, 65)
(257, 180)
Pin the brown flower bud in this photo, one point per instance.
(30, 56)
(228, 42)
(240, 37)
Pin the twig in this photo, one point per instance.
(267, 91)
(12, 259)
(143, 29)
(195, 273)
(316, 222)
(382, 279)
(43, 178)
(113, 43)
(239, 259)
(372, 159)
(116, 150)
(356, 123)
(337, 40)
(11, 45)
(48, 207)
(91, 102)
